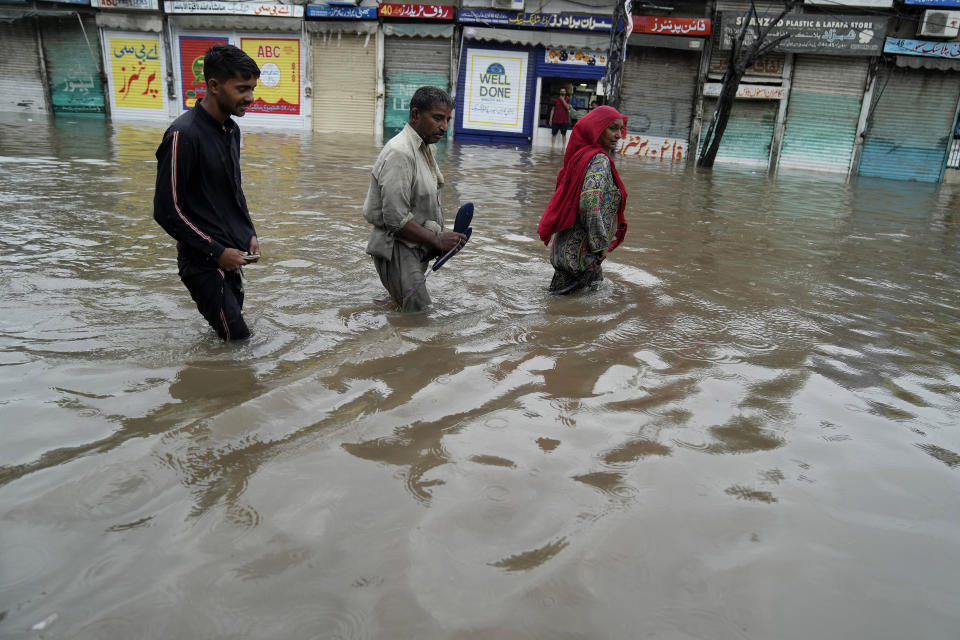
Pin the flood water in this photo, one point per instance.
(749, 431)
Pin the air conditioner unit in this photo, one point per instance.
(511, 5)
(940, 24)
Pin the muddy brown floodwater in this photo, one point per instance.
(750, 431)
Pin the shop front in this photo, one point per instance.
(418, 51)
(134, 59)
(659, 85)
(829, 75)
(749, 133)
(71, 48)
(268, 33)
(21, 77)
(912, 119)
(343, 69)
(509, 77)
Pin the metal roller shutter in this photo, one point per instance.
(911, 125)
(749, 131)
(21, 87)
(822, 115)
(344, 82)
(408, 64)
(658, 90)
(73, 64)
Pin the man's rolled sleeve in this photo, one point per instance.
(396, 184)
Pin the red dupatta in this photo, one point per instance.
(561, 211)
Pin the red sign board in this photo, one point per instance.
(416, 11)
(662, 25)
(193, 84)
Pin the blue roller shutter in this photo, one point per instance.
(911, 125)
(823, 112)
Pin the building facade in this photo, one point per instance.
(858, 87)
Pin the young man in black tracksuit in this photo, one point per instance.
(199, 200)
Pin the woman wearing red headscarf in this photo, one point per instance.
(584, 218)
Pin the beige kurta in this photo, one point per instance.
(404, 185)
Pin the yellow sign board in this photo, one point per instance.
(136, 78)
(278, 90)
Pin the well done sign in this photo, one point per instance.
(496, 90)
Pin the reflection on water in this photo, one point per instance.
(748, 431)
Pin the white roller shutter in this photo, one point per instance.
(21, 86)
(344, 82)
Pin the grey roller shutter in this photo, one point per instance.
(344, 82)
(410, 63)
(911, 125)
(21, 87)
(73, 64)
(825, 97)
(748, 133)
(658, 90)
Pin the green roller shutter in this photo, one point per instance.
(73, 64)
(408, 64)
(749, 131)
(823, 112)
(911, 125)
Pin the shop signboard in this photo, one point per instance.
(496, 18)
(815, 33)
(83, 2)
(750, 91)
(495, 95)
(764, 67)
(233, 8)
(928, 48)
(578, 57)
(135, 72)
(142, 5)
(416, 11)
(870, 4)
(337, 12)
(934, 3)
(193, 85)
(662, 25)
(278, 90)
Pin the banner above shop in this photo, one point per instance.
(872, 4)
(341, 13)
(661, 25)
(927, 48)
(143, 5)
(813, 33)
(750, 91)
(234, 8)
(416, 11)
(494, 17)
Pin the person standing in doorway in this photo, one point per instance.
(198, 198)
(560, 118)
(403, 202)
